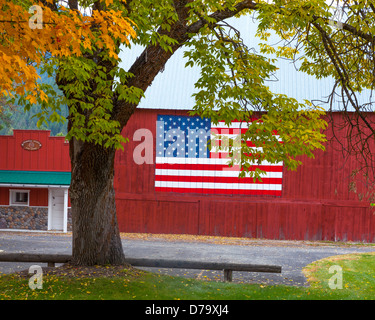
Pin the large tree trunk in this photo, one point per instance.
(96, 238)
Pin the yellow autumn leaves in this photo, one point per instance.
(64, 32)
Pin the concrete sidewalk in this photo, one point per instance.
(291, 255)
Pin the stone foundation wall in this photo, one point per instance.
(29, 218)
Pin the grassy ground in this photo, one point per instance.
(357, 270)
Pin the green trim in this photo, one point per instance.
(35, 177)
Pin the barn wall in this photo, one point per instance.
(52, 156)
(38, 196)
(316, 203)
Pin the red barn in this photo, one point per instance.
(312, 203)
(155, 196)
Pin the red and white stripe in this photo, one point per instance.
(213, 175)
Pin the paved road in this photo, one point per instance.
(291, 255)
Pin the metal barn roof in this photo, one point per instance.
(172, 88)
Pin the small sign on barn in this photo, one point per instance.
(31, 145)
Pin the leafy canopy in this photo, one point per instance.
(64, 34)
(332, 39)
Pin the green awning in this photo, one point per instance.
(34, 178)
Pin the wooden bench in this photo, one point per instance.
(50, 259)
(227, 267)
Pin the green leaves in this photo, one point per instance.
(233, 86)
(151, 20)
(287, 130)
(90, 89)
(336, 41)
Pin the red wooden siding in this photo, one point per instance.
(144, 216)
(38, 196)
(316, 203)
(52, 156)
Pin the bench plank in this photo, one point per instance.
(34, 257)
(227, 267)
(203, 265)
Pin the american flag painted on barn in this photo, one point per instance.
(185, 164)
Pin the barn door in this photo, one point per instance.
(57, 209)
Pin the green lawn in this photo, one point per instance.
(358, 282)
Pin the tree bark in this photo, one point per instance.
(96, 237)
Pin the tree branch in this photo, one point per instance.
(153, 58)
(73, 4)
(340, 69)
(222, 15)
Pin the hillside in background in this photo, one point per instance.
(15, 117)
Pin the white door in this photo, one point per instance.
(56, 214)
